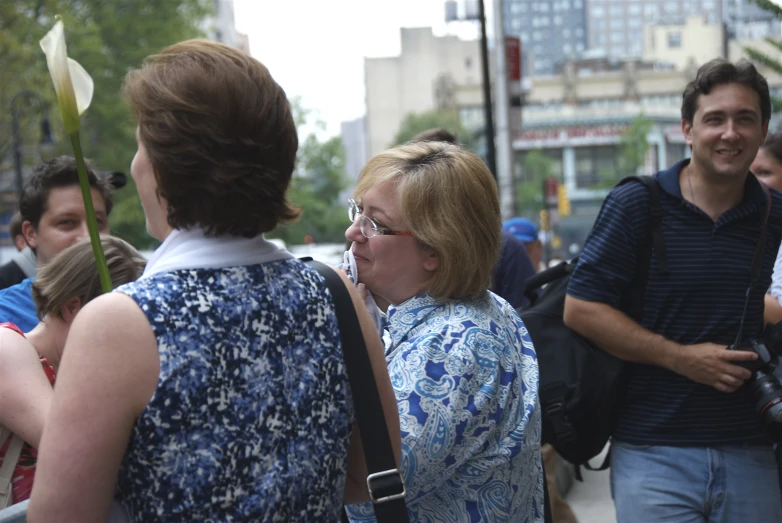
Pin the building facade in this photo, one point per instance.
(220, 26)
(550, 32)
(617, 28)
(430, 73)
(354, 141)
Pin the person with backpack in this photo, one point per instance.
(688, 444)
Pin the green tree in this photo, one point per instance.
(108, 37)
(317, 183)
(633, 145)
(448, 119)
(771, 61)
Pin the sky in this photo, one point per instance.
(315, 49)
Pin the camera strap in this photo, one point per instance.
(756, 270)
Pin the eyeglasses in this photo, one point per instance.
(367, 226)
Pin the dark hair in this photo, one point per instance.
(220, 136)
(773, 145)
(437, 134)
(15, 226)
(59, 172)
(720, 72)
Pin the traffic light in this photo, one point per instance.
(544, 224)
(563, 204)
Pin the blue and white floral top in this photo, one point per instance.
(252, 413)
(465, 375)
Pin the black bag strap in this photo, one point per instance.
(760, 248)
(756, 269)
(386, 488)
(654, 237)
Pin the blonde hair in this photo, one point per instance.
(74, 274)
(448, 200)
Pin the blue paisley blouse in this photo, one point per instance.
(465, 375)
(251, 418)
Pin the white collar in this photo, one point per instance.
(192, 249)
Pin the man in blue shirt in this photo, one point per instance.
(689, 445)
(54, 218)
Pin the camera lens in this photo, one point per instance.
(767, 393)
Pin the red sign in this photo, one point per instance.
(513, 58)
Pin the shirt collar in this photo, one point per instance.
(669, 181)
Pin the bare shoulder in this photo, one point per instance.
(15, 352)
(112, 342)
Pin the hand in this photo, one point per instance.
(362, 291)
(712, 364)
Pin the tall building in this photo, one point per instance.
(220, 25)
(550, 31)
(430, 73)
(747, 21)
(617, 28)
(354, 141)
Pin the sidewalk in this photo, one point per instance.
(591, 499)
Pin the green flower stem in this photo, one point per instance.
(92, 222)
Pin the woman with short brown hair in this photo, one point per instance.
(217, 387)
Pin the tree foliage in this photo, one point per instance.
(108, 38)
(633, 145)
(318, 182)
(448, 119)
(764, 59)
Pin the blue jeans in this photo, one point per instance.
(724, 484)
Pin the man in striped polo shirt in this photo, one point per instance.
(688, 445)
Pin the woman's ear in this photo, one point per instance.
(431, 260)
(70, 309)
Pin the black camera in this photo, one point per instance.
(764, 387)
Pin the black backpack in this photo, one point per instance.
(582, 386)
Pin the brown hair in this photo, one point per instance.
(448, 200)
(720, 72)
(15, 226)
(74, 274)
(773, 145)
(220, 136)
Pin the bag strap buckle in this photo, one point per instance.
(385, 486)
(562, 427)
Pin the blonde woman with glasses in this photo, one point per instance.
(426, 234)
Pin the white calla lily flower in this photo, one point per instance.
(73, 85)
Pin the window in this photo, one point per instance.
(595, 165)
(617, 37)
(634, 9)
(617, 23)
(674, 39)
(634, 23)
(616, 10)
(598, 11)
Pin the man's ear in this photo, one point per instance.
(30, 234)
(70, 310)
(687, 132)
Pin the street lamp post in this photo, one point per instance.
(17, 109)
(451, 11)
